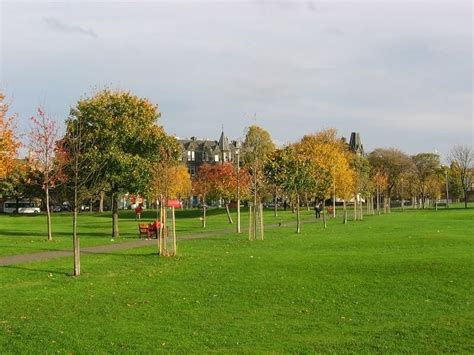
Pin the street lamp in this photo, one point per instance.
(237, 153)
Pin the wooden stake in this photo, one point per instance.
(250, 221)
(173, 221)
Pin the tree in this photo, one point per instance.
(8, 141)
(463, 157)
(202, 185)
(390, 163)
(425, 166)
(256, 148)
(79, 170)
(294, 173)
(330, 154)
(16, 184)
(124, 139)
(42, 145)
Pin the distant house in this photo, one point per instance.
(196, 152)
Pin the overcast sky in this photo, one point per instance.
(398, 72)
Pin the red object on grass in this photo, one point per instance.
(174, 203)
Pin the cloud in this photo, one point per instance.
(59, 26)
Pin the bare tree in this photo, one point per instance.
(463, 157)
(42, 145)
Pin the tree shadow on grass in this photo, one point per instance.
(24, 268)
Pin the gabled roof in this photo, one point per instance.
(224, 143)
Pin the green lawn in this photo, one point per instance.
(392, 283)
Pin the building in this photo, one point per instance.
(196, 152)
(355, 144)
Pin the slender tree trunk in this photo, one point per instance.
(90, 205)
(204, 215)
(75, 237)
(355, 207)
(75, 244)
(324, 215)
(361, 211)
(334, 201)
(229, 217)
(378, 200)
(344, 219)
(250, 221)
(115, 226)
(101, 201)
(48, 213)
(275, 207)
(262, 232)
(298, 227)
(238, 215)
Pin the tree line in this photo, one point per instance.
(113, 144)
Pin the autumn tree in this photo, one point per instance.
(256, 149)
(390, 163)
(124, 140)
(329, 153)
(8, 141)
(17, 183)
(462, 156)
(425, 166)
(294, 173)
(42, 145)
(202, 185)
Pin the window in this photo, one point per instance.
(216, 157)
(191, 155)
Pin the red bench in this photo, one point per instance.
(149, 231)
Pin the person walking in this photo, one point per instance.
(138, 212)
(317, 210)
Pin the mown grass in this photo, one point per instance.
(392, 283)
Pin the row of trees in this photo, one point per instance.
(113, 144)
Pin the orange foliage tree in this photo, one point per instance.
(8, 142)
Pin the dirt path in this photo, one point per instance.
(28, 258)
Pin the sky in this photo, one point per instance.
(399, 72)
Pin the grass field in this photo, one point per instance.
(392, 283)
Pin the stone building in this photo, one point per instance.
(196, 152)
(355, 144)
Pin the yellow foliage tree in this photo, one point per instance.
(330, 153)
(8, 141)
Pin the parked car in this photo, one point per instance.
(23, 207)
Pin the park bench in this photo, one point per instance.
(149, 231)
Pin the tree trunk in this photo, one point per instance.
(361, 211)
(75, 242)
(115, 216)
(275, 207)
(229, 217)
(324, 215)
(250, 221)
(298, 227)
(344, 220)
(238, 214)
(48, 214)
(334, 202)
(355, 208)
(101, 202)
(261, 222)
(90, 205)
(204, 215)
